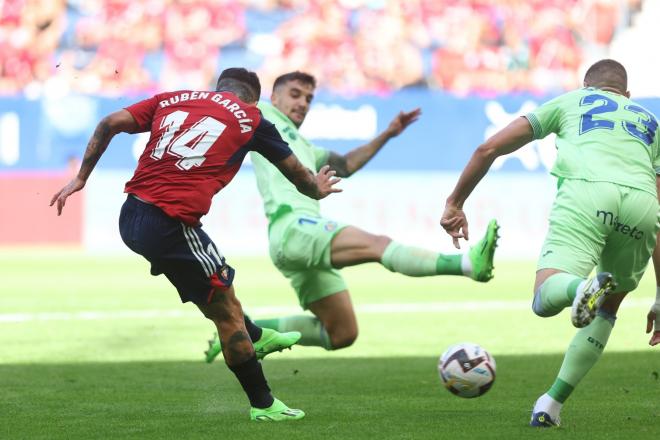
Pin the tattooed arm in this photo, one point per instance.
(107, 128)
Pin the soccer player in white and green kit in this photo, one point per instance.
(309, 249)
(605, 214)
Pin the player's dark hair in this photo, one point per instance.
(241, 82)
(303, 77)
(607, 73)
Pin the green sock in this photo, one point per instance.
(313, 332)
(582, 354)
(273, 323)
(416, 262)
(556, 293)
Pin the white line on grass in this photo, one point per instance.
(389, 308)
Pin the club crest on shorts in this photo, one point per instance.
(224, 273)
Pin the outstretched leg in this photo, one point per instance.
(334, 325)
(226, 313)
(352, 246)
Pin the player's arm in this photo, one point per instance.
(653, 317)
(509, 139)
(315, 186)
(107, 128)
(349, 163)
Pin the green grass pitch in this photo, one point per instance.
(94, 347)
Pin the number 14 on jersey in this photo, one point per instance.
(192, 144)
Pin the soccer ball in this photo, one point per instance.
(467, 370)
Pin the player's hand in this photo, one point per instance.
(650, 320)
(60, 197)
(402, 120)
(325, 180)
(455, 223)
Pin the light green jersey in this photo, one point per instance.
(601, 137)
(280, 195)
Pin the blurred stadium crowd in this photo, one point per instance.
(132, 47)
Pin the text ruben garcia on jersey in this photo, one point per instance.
(227, 103)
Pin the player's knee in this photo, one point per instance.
(537, 306)
(382, 241)
(540, 311)
(223, 306)
(343, 339)
(377, 246)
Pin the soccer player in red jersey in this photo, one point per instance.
(197, 144)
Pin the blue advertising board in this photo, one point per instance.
(50, 133)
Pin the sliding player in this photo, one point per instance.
(309, 249)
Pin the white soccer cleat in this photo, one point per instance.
(590, 297)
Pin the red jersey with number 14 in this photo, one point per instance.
(197, 144)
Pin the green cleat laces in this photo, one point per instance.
(270, 342)
(277, 412)
(482, 254)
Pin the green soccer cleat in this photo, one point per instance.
(277, 412)
(214, 348)
(482, 254)
(270, 342)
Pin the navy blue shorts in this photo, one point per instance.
(185, 254)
